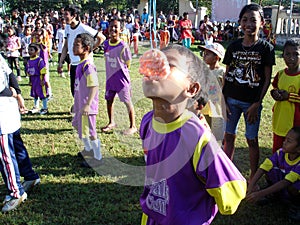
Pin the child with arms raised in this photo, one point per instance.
(117, 61)
(86, 99)
(286, 93)
(188, 176)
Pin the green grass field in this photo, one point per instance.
(69, 194)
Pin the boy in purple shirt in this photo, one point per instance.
(282, 171)
(86, 100)
(188, 176)
(117, 62)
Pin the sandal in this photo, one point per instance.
(108, 128)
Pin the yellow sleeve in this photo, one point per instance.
(267, 165)
(292, 177)
(230, 187)
(43, 71)
(229, 196)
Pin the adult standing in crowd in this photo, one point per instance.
(16, 21)
(185, 26)
(74, 27)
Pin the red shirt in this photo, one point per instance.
(186, 28)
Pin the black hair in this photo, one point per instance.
(11, 28)
(74, 10)
(297, 131)
(87, 40)
(2, 41)
(35, 46)
(295, 42)
(39, 19)
(252, 7)
(28, 26)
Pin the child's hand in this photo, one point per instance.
(254, 196)
(14, 92)
(276, 95)
(252, 113)
(85, 110)
(284, 95)
(22, 108)
(154, 65)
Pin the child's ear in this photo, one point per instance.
(193, 89)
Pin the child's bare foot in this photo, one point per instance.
(109, 127)
(130, 131)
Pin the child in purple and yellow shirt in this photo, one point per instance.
(188, 176)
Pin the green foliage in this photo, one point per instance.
(92, 5)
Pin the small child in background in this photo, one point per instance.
(214, 110)
(188, 176)
(117, 62)
(135, 37)
(125, 33)
(25, 41)
(40, 35)
(50, 31)
(282, 171)
(86, 100)
(60, 38)
(12, 50)
(197, 107)
(36, 71)
(164, 35)
(286, 93)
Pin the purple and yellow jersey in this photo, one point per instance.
(117, 61)
(289, 168)
(44, 54)
(36, 70)
(86, 77)
(188, 176)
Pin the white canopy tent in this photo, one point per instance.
(223, 10)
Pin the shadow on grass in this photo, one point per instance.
(45, 131)
(49, 116)
(73, 195)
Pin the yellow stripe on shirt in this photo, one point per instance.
(229, 195)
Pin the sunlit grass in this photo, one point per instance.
(69, 194)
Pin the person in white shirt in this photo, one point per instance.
(74, 27)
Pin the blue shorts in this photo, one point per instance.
(236, 108)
